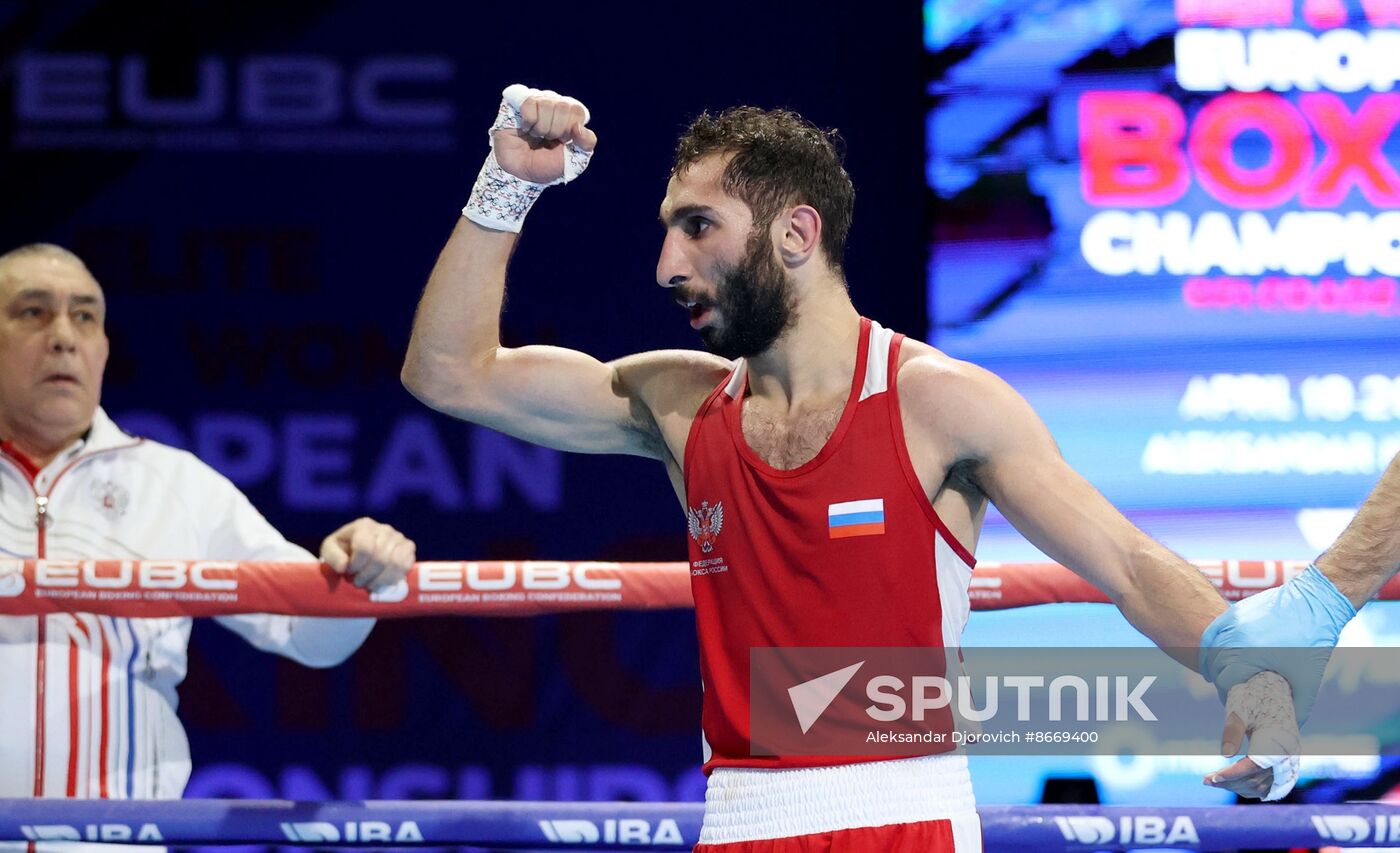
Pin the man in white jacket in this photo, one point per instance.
(88, 702)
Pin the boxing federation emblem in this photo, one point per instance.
(705, 524)
(111, 499)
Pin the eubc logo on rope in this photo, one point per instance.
(440, 576)
(209, 575)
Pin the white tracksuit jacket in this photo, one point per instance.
(87, 703)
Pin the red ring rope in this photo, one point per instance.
(159, 588)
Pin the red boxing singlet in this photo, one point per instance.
(844, 550)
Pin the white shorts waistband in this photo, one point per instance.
(744, 804)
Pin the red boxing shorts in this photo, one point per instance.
(917, 804)
(930, 836)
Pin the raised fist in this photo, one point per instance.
(535, 132)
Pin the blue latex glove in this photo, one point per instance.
(1290, 630)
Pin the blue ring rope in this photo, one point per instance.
(657, 826)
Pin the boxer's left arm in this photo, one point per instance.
(977, 420)
(988, 429)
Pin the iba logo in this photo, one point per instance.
(1352, 829)
(120, 833)
(352, 830)
(705, 524)
(624, 831)
(1130, 830)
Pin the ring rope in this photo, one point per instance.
(163, 588)
(659, 826)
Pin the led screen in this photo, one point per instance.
(1175, 228)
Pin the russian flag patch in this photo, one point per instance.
(856, 518)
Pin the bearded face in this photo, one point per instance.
(754, 302)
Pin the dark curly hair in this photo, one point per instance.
(779, 159)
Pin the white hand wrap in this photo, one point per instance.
(1265, 705)
(500, 200)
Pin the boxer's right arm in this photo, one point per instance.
(547, 395)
